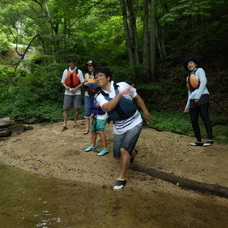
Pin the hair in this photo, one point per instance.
(195, 60)
(93, 63)
(105, 71)
(71, 60)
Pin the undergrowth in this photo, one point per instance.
(180, 123)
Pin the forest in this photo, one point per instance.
(142, 41)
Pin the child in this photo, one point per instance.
(99, 119)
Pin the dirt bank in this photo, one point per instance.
(48, 151)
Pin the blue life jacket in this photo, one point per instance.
(124, 109)
(95, 109)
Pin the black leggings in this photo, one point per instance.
(201, 110)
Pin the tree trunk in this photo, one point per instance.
(130, 31)
(126, 31)
(153, 40)
(146, 44)
(160, 44)
(163, 49)
(133, 31)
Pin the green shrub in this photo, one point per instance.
(180, 123)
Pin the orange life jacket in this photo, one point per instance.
(72, 79)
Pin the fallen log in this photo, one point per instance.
(5, 132)
(184, 183)
(5, 122)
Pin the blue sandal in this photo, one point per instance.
(90, 148)
(103, 152)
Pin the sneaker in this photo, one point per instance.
(103, 152)
(119, 184)
(208, 143)
(90, 148)
(196, 144)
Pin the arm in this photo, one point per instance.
(110, 105)
(142, 105)
(73, 90)
(65, 86)
(203, 82)
(186, 109)
(63, 80)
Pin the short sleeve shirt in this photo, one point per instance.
(121, 126)
(81, 78)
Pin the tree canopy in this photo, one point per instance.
(143, 42)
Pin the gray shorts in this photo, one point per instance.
(126, 141)
(72, 99)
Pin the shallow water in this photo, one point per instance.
(32, 200)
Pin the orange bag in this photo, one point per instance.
(192, 82)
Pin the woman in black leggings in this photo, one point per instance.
(198, 100)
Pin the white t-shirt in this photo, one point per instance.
(80, 76)
(103, 116)
(122, 126)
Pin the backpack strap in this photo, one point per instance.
(106, 94)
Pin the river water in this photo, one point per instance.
(33, 200)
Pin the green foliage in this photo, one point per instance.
(126, 73)
(180, 123)
(46, 111)
(36, 95)
(4, 44)
(177, 123)
(6, 73)
(168, 93)
(94, 30)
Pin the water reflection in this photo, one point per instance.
(32, 200)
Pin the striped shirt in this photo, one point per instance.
(121, 126)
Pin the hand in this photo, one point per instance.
(186, 110)
(147, 116)
(73, 90)
(126, 91)
(196, 100)
(91, 116)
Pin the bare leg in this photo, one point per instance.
(76, 114)
(65, 117)
(94, 138)
(87, 125)
(103, 139)
(124, 163)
